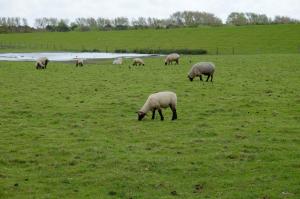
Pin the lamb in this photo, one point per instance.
(118, 61)
(41, 63)
(157, 101)
(138, 61)
(172, 57)
(202, 68)
(79, 62)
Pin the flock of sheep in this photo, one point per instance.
(160, 100)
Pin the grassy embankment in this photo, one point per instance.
(225, 40)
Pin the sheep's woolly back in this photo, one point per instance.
(42, 60)
(138, 61)
(39, 63)
(118, 61)
(79, 61)
(160, 100)
(202, 68)
(171, 57)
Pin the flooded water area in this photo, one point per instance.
(67, 56)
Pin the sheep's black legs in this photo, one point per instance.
(211, 78)
(174, 116)
(207, 77)
(201, 78)
(161, 115)
(153, 114)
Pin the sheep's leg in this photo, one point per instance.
(153, 114)
(211, 78)
(177, 62)
(174, 116)
(161, 115)
(207, 77)
(200, 77)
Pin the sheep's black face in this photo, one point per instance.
(141, 115)
(166, 63)
(191, 79)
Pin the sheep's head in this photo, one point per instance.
(141, 115)
(166, 63)
(191, 79)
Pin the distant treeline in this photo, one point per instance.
(176, 20)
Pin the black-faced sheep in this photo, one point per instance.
(171, 58)
(157, 101)
(79, 62)
(202, 68)
(118, 61)
(41, 63)
(138, 61)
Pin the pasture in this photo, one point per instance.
(70, 132)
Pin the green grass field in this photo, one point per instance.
(70, 132)
(261, 39)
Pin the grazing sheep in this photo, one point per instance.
(118, 61)
(79, 62)
(41, 63)
(157, 101)
(202, 68)
(172, 57)
(138, 61)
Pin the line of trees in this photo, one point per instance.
(250, 18)
(177, 19)
(14, 24)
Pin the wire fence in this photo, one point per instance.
(225, 50)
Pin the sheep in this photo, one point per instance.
(202, 68)
(138, 61)
(41, 63)
(79, 62)
(157, 101)
(172, 57)
(118, 61)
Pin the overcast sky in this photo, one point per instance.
(72, 9)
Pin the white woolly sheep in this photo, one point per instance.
(118, 61)
(41, 63)
(157, 101)
(138, 61)
(171, 58)
(79, 62)
(202, 68)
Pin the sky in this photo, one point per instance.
(72, 9)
